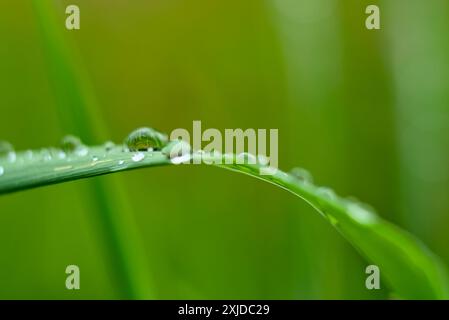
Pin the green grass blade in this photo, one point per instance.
(410, 270)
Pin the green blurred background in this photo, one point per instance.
(366, 111)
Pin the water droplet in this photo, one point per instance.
(5, 148)
(12, 156)
(360, 213)
(176, 148)
(327, 193)
(142, 139)
(302, 174)
(139, 156)
(109, 145)
(121, 162)
(246, 158)
(28, 154)
(94, 158)
(2, 171)
(45, 155)
(70, 143)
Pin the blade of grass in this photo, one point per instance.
(79, 114)
(409, 268)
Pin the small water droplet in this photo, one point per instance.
(327, 193)
(121, 162)
(94, 158)
(109, 145)
(145, 138)
(302, 174)
(360, 213)
(70, 143)
(12, 156)
(45, 154)
(2, 171)
(5, 148)
(139, 156)
(28, 154)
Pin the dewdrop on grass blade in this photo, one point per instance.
(327, 193)
(7, 151)
(108, 146)
(73, 145)
(302, 174)
(5, 148)
(70, 143)
(144, 138)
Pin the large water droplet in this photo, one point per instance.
(139, 156)
(2, 171)
(144, 138)
(302, 174)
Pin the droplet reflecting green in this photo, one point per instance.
(5, 148)
(143, 139)
(327, 193)
(109, 145)
(302, 174)
(70, 143)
